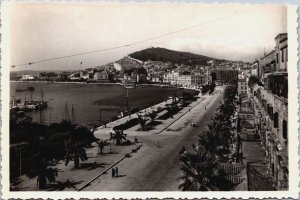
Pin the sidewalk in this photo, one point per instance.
(157, 129)
(252, 153)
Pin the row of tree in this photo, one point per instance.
(200, 168)
(208, 88)
(43, 146)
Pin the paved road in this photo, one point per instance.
(157, 168)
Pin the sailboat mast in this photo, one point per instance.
(42, 95)
(66, 113)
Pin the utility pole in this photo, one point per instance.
(50, 115)
(127, 103)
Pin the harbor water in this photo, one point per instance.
(90, 102)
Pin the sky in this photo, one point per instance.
(234, 31)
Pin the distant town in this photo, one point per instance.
(131, 72)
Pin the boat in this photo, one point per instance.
(26, 89)
(31, 105)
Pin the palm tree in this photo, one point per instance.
(75, 151)
(142, 121)
(152, 115)
(80, 138)
(118, 136)
(210, 139)
(200, 172)
(41, 167)
(101, 144)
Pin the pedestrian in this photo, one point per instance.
(205, 107)
(157, 144)
(113, 172)
(117, 172)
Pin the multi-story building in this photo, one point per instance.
(225, 75)
(271, 102)
(184, 80)
(198, 79)
(242, 86)
(254, 69)
(281, 50)
(267, 65)
(171, 78)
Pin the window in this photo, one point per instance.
(276, 120)
(277, 59)
(284, 130)
(282, 55)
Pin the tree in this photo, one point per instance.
(43, 170)
(200, 172)
(142, 121)
(152, 116)
(252, 81)
(80, 138)
(118, 136)
(75, 151)
(101, 144)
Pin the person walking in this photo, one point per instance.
(113, 172)
(157, 144)
(117, 172)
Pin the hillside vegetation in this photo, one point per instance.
(165, 55)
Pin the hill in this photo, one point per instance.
(165, 55)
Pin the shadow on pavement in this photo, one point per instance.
(120, 176)
(91, 166)
(58, 185)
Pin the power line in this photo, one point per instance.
(138, 42)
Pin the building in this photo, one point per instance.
(242, 86)
(271, 104)
(101, 76)
(267, 65)
(198, 79)
(225, 75)
(27, 77)
(171, 77)
(281, 50)
(184, 80)
(254, 69)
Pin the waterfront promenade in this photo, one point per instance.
(152, 167)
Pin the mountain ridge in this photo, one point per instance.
(167, 55)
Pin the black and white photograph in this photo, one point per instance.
(149, 97)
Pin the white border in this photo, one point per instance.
(293, 136)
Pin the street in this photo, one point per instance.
(157, 168)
